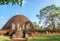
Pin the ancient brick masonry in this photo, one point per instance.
(18, 26)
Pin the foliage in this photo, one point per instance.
(36, 26)
(18, 2)
(58, 26)
(49, 15)
(50, 27)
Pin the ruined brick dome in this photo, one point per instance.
(17, 19)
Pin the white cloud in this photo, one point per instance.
(24, 2)
(19, 13)
(16, 13)
(1, 17)
(2, 21)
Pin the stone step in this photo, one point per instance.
(19, 39)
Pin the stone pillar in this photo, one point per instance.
(18, 27)
(27, 26)
(24, 26)
(13, 26)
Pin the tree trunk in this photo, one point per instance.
(53, 24)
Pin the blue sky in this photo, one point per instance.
(30, 8)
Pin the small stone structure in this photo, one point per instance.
(18, 27)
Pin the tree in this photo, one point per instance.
(50, 27)
(50, 15)
(18, 2)
(36, 26)
(58, 26)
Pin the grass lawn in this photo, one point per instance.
(45, 38)
(3, 38)
(39, 38)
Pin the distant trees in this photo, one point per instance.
(36, 26)
(18, 2)
(58, 26)
(50, 15)
(49, 27)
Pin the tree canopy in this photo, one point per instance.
(50, 15)
(18, 2)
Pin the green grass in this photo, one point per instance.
(39, 38)
(45, 38)
(2, 38)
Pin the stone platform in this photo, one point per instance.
(19, 39)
